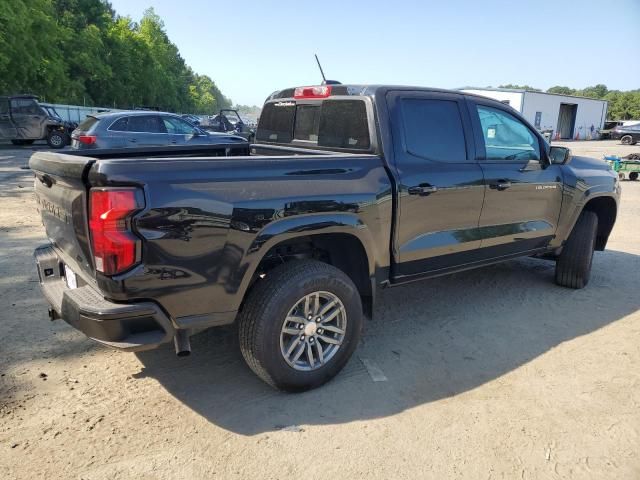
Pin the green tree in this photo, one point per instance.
(597, 91)
(520, 87)
(623, 105)
(29, 58)
(80, 51)
(561, 90)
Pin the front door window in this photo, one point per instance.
(506, 137)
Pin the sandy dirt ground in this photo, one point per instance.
(494, 373)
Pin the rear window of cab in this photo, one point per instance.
(330, 123)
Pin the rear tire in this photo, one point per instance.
(633, 176)
(573, 267)
(264, 325)
(17, 142)
(56, 139)
(627, 140)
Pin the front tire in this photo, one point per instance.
(56, 139)
(300, 325)
(573, 267)
(633, 176)
(627, 140)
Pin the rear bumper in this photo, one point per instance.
(125, 326)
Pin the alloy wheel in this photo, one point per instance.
(313, 331)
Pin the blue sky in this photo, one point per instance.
(251, 47)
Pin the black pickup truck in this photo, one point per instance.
(348, 189)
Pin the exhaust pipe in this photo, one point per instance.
(182, 343)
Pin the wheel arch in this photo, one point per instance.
(606, 209)
(341, 240)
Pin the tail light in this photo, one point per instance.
(113, 243)
(321, 91)
(87, 139)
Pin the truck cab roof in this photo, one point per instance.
(361, 90)
(333, 117)
(21, 95)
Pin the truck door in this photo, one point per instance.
(441, 187)
(524, 192)
(7, 128)
(28, 118)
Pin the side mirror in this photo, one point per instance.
(559, 155)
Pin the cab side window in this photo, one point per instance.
(4, 106)
(433, 129)
(23, 106)
(505, 137)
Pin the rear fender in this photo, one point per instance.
(304, 226)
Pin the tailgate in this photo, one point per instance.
(61, 197)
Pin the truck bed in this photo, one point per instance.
(207, 220)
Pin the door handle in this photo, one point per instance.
(422, 190)
(133, 140)
(173, 142)
(500, 185)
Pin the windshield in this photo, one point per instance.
(51, 111)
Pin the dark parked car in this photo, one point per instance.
(350, 189)
(23, 121)
(140, 129)
(628, 135)
(609, 125)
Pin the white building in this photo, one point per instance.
(569, 117)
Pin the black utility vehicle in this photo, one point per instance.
(230, 121)
(351, 188)
(23, 121)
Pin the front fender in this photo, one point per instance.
(575, 204)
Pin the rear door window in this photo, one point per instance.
(120, 125)
(433, 129)
(145, 124)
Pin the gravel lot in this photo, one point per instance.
(494, 373)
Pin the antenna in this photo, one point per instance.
(324, 80)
